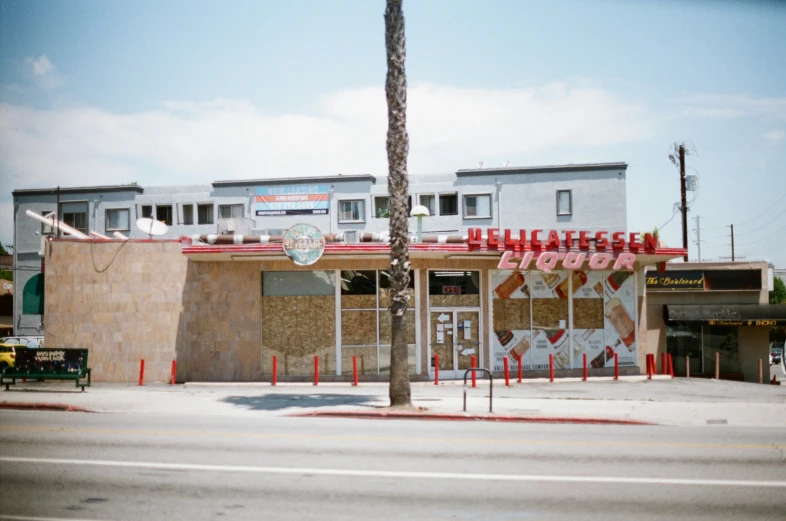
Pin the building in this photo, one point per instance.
(535, 261)
(713, 312)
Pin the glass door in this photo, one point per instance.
(454, 338)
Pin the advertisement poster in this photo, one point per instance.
(588, 320)
(292, 200)
(549, 318)
(511, 318)
(619, 312)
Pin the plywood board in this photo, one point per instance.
(454, 301)
(547, 312)
(588, 313)
(385, 327)
(358, 301)
(358, 328)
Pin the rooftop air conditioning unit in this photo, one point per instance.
(351, 237)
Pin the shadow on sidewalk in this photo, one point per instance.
(275, 402)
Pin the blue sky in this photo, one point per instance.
(176, 91)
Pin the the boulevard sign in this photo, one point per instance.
(603, 248)
(304, 244)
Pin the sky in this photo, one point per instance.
(165, 92)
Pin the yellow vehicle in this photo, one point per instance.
(8, 355)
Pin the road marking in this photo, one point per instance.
(398, 474)
(387, 439)
(30, 518)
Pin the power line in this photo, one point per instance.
(765, 211)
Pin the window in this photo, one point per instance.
(45, 228)
(188, 214)
(117, 220)
(428, 202)
(448, 204)
(74, 215)
(351, 211)
(147, 211)
(164, 214)
(564, 202)
(381, 207)
(205, 213)
(230, 211)
(477, 206)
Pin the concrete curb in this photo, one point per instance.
(22, 406)
(398, 415)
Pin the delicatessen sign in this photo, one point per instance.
(600, 250)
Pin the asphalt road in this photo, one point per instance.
(153, 467)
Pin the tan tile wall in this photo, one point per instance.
(120, 300)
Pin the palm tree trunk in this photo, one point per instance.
(398, 186)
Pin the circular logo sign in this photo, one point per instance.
(304, 244)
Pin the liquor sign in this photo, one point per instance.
(292, 200)
(675, 280)
(304, 244)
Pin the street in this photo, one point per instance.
(139, 466)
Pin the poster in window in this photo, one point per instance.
(511, 318)
(588, 320)
(620, 326)
(549, 317)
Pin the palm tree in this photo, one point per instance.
(398, 186)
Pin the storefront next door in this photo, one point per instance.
(454, 336)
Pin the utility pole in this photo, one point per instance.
(698, 236)
(683, 201)
(732, 242)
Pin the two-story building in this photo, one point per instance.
(512, 263)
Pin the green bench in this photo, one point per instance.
(48, 364)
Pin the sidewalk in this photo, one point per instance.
(663, 401)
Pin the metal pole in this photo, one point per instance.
(683, 202)
(717, 365)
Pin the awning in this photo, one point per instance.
(727, 314)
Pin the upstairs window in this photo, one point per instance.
(147, 211)
(429, 202)
(448, 204)
(382, 207)
(230, 211)
(351, 211)
(164, 214)
(74, 215)
(564, 202)
(477, 206)
(205, 213)
(188, 214)
(117, 220)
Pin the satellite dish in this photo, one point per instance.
(151, 226)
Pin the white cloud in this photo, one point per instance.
(774, 135)
(41, 65)
(728, 106)
(44, 72)
(186, 142)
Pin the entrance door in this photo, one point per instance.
(455, 338)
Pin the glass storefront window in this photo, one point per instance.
(722, 340)
(684, 340)
(454, 289)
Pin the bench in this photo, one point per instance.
(48, 364)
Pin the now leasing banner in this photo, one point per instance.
(292, 200)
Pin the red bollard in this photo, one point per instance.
(521, 369)
(507, 373)
(316, 370)
(355, 371)
(274, 381)
(551, 367)
(616, 366)
(142, 372)
(584, 363)
(650, 362)
(473, 363)
(172, 379)
(436, 369)
(671, 366)
(663, 363)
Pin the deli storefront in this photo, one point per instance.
(493, 294)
